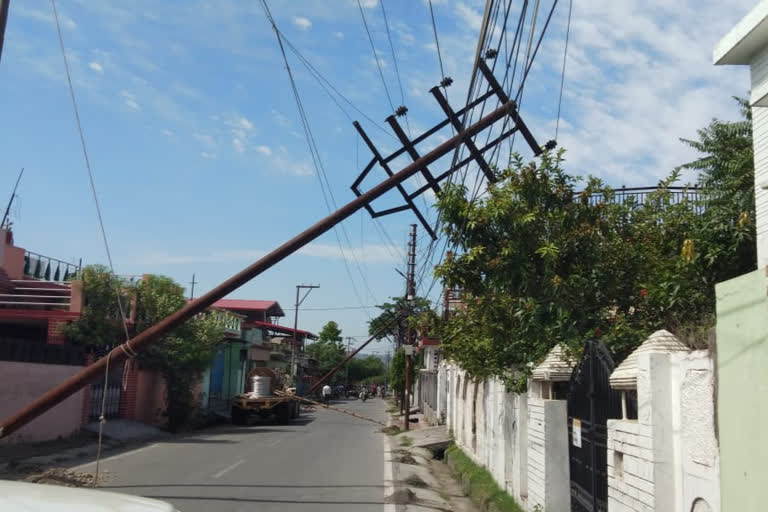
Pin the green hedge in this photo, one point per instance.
(478, 483)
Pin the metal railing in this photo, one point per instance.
(427, 389)
(111, 403)
(640, 195)
(45, 268)
(28, 351)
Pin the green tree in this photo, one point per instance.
(328, 350)
(100, 323)
(541, 262)
(385, 324)
(364, 368)
(397, 372)
(727, 173)
(182, 355)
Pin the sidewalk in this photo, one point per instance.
(421, 480)
(25, 461)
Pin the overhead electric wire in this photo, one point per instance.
(392, 47)
(562, 74)
(375, 56)
(319, 168)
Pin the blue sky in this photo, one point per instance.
(198, 152)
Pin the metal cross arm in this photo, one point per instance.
(453, 118)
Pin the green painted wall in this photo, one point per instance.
(742, 396)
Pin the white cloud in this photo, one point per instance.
(207, 155)
(245, 124)
(23, 11)
(369, 4)
(96, 67)
(302, 23)
(129, 99)
(470, 16)
(238, 145)
(205, 139)
(264, 150)
(372, 253)
(339, 35)
(280, 119)
(167, 133)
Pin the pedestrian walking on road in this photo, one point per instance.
(326, 394)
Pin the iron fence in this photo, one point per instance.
(111, 401)
(45, 268)
(640, 195)
(26, 351)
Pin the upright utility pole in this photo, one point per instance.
(193, 283)
(349, 350)
(410, 299)
(309, 288)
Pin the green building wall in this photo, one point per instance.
(742, 395)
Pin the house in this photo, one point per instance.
(38, 297)
(742, 302)
(253, 339)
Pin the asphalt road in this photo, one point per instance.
(323, 461)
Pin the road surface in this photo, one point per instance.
(324, 461)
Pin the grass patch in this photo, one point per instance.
(406, 441)
(482, 488)
(391, 430)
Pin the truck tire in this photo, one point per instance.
(283, 413)
(239, 416)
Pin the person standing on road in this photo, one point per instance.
(326, 394)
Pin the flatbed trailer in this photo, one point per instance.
(285, 408)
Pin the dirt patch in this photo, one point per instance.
(406, 459)
(415, 481)
(401, 497)
(391, 430)
(13, 452)
(59, 476)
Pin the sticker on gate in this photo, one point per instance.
(576, 433)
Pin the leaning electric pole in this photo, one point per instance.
(410, 301)
(426, 165)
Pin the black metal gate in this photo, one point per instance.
(591, 401)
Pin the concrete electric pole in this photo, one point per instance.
(408, 345)
(309, 288)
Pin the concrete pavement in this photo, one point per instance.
(324, 461)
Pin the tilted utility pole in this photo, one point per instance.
(4, 4)
(410, 300)
(309, 288)
(506, 110)
(192, 290)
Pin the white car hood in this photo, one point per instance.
(28, 497)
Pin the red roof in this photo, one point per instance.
(250, 305)
(426, 341)
(280, 328)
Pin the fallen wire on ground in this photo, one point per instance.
(337, 409)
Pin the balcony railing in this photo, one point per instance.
(639, 195)
(45, 268)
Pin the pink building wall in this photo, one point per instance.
(24, 382)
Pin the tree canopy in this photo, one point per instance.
(544, 257)
(328, 350)
(384, 325)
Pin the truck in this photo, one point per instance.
(278, 401)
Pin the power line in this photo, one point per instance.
(392, 47)
(88, 166)
(320, 168)
(375, 56)
(562, 74)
